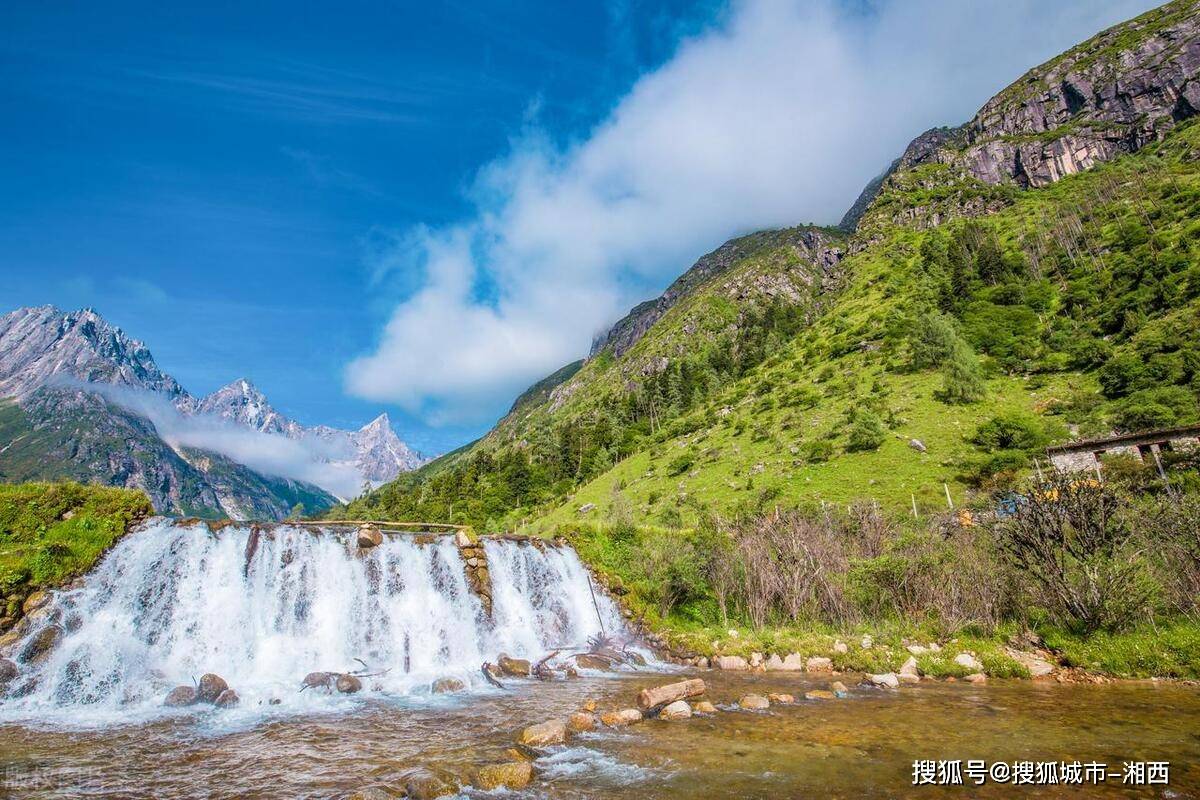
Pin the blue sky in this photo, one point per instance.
(422, 207)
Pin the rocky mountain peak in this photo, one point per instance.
(241, 402)
(44, 345)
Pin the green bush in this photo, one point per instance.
(867, 433)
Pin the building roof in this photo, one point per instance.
(1102, 442)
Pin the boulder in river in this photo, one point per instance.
(425, 784)
(619, 719)
(677, 710)
(317, 680)
(704, 707)
(662, 695)
(8, 671)
(735, 663)
(773, 663)
(785, 699)
(819, 694)
(180, 696)
(976, 677)
(513, 667)
(448, 686)
(39, 646)
(754, 702)
(510, 775)
(551, 732)
(886, 680)
(227, 699)
(372, 793)
(348, 684)
(369, 536)
(792, 662)
(909, 673)
(592, 661)
(839, 689)
(581, 721)
(35, 601)
(210, 688)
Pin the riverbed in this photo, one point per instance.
(862, 746)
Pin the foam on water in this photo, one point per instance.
(171, 602)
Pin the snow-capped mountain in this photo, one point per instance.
(74, 398)
(375, 449)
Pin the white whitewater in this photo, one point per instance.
(172, 602)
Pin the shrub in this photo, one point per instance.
(867, 432)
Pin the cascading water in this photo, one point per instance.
(171, 602)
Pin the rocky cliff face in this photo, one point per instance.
(53, 424)
(812, 245)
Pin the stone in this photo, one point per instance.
(792, 662)
(425, 784)
(671, 692)
(841, 647)
(510, 775)
(448, 686)
(754, 702)
(839, 689)
(1038, 667)
(8, 671)
(461, 539)
(704, 707)
(909, 673)
(227, 699)
(210, 688)
(619, 719)
(677, 710)
(818, 664)
(702, 662)
(917, 444)
(513, 667)
(773, 663)
(348, 684)
(592, 661)
(180, 696)
(589, 706)
(968, 661)
(976, 677)
(542, 734)
(587, 508)
(736, 663)
(317, 680)
(917, 649)
(581, 721)
(39, 646)
(866, 642)
(756, 660)
(35, 601)
(372, 793)
(819, 694)
(369, 536)
(785, 699)
(887, 680)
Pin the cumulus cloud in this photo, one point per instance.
(777, 115)
(325, 463)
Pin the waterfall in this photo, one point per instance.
(171, 602)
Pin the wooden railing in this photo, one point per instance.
(425, 526)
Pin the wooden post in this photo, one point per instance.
(949, 502)
(914, 504)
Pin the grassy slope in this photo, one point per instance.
(52, 532)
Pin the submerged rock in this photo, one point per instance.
(372, 793)
(662, 695)
(425, 784)
(819, 694)
(704, 707)
(348, 684)
(227, 699)
(786, 699)
(511, 775)
(754, 702)
(839, 689)
(592, 661)
(448, 686)
(180, 696)
(551, 732)
(8, 671)
(211, 686)
(976, 677)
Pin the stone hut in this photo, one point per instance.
(1086, 454)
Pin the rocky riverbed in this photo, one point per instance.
(764, 735)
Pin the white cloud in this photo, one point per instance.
(777, 117)
(328, 464)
